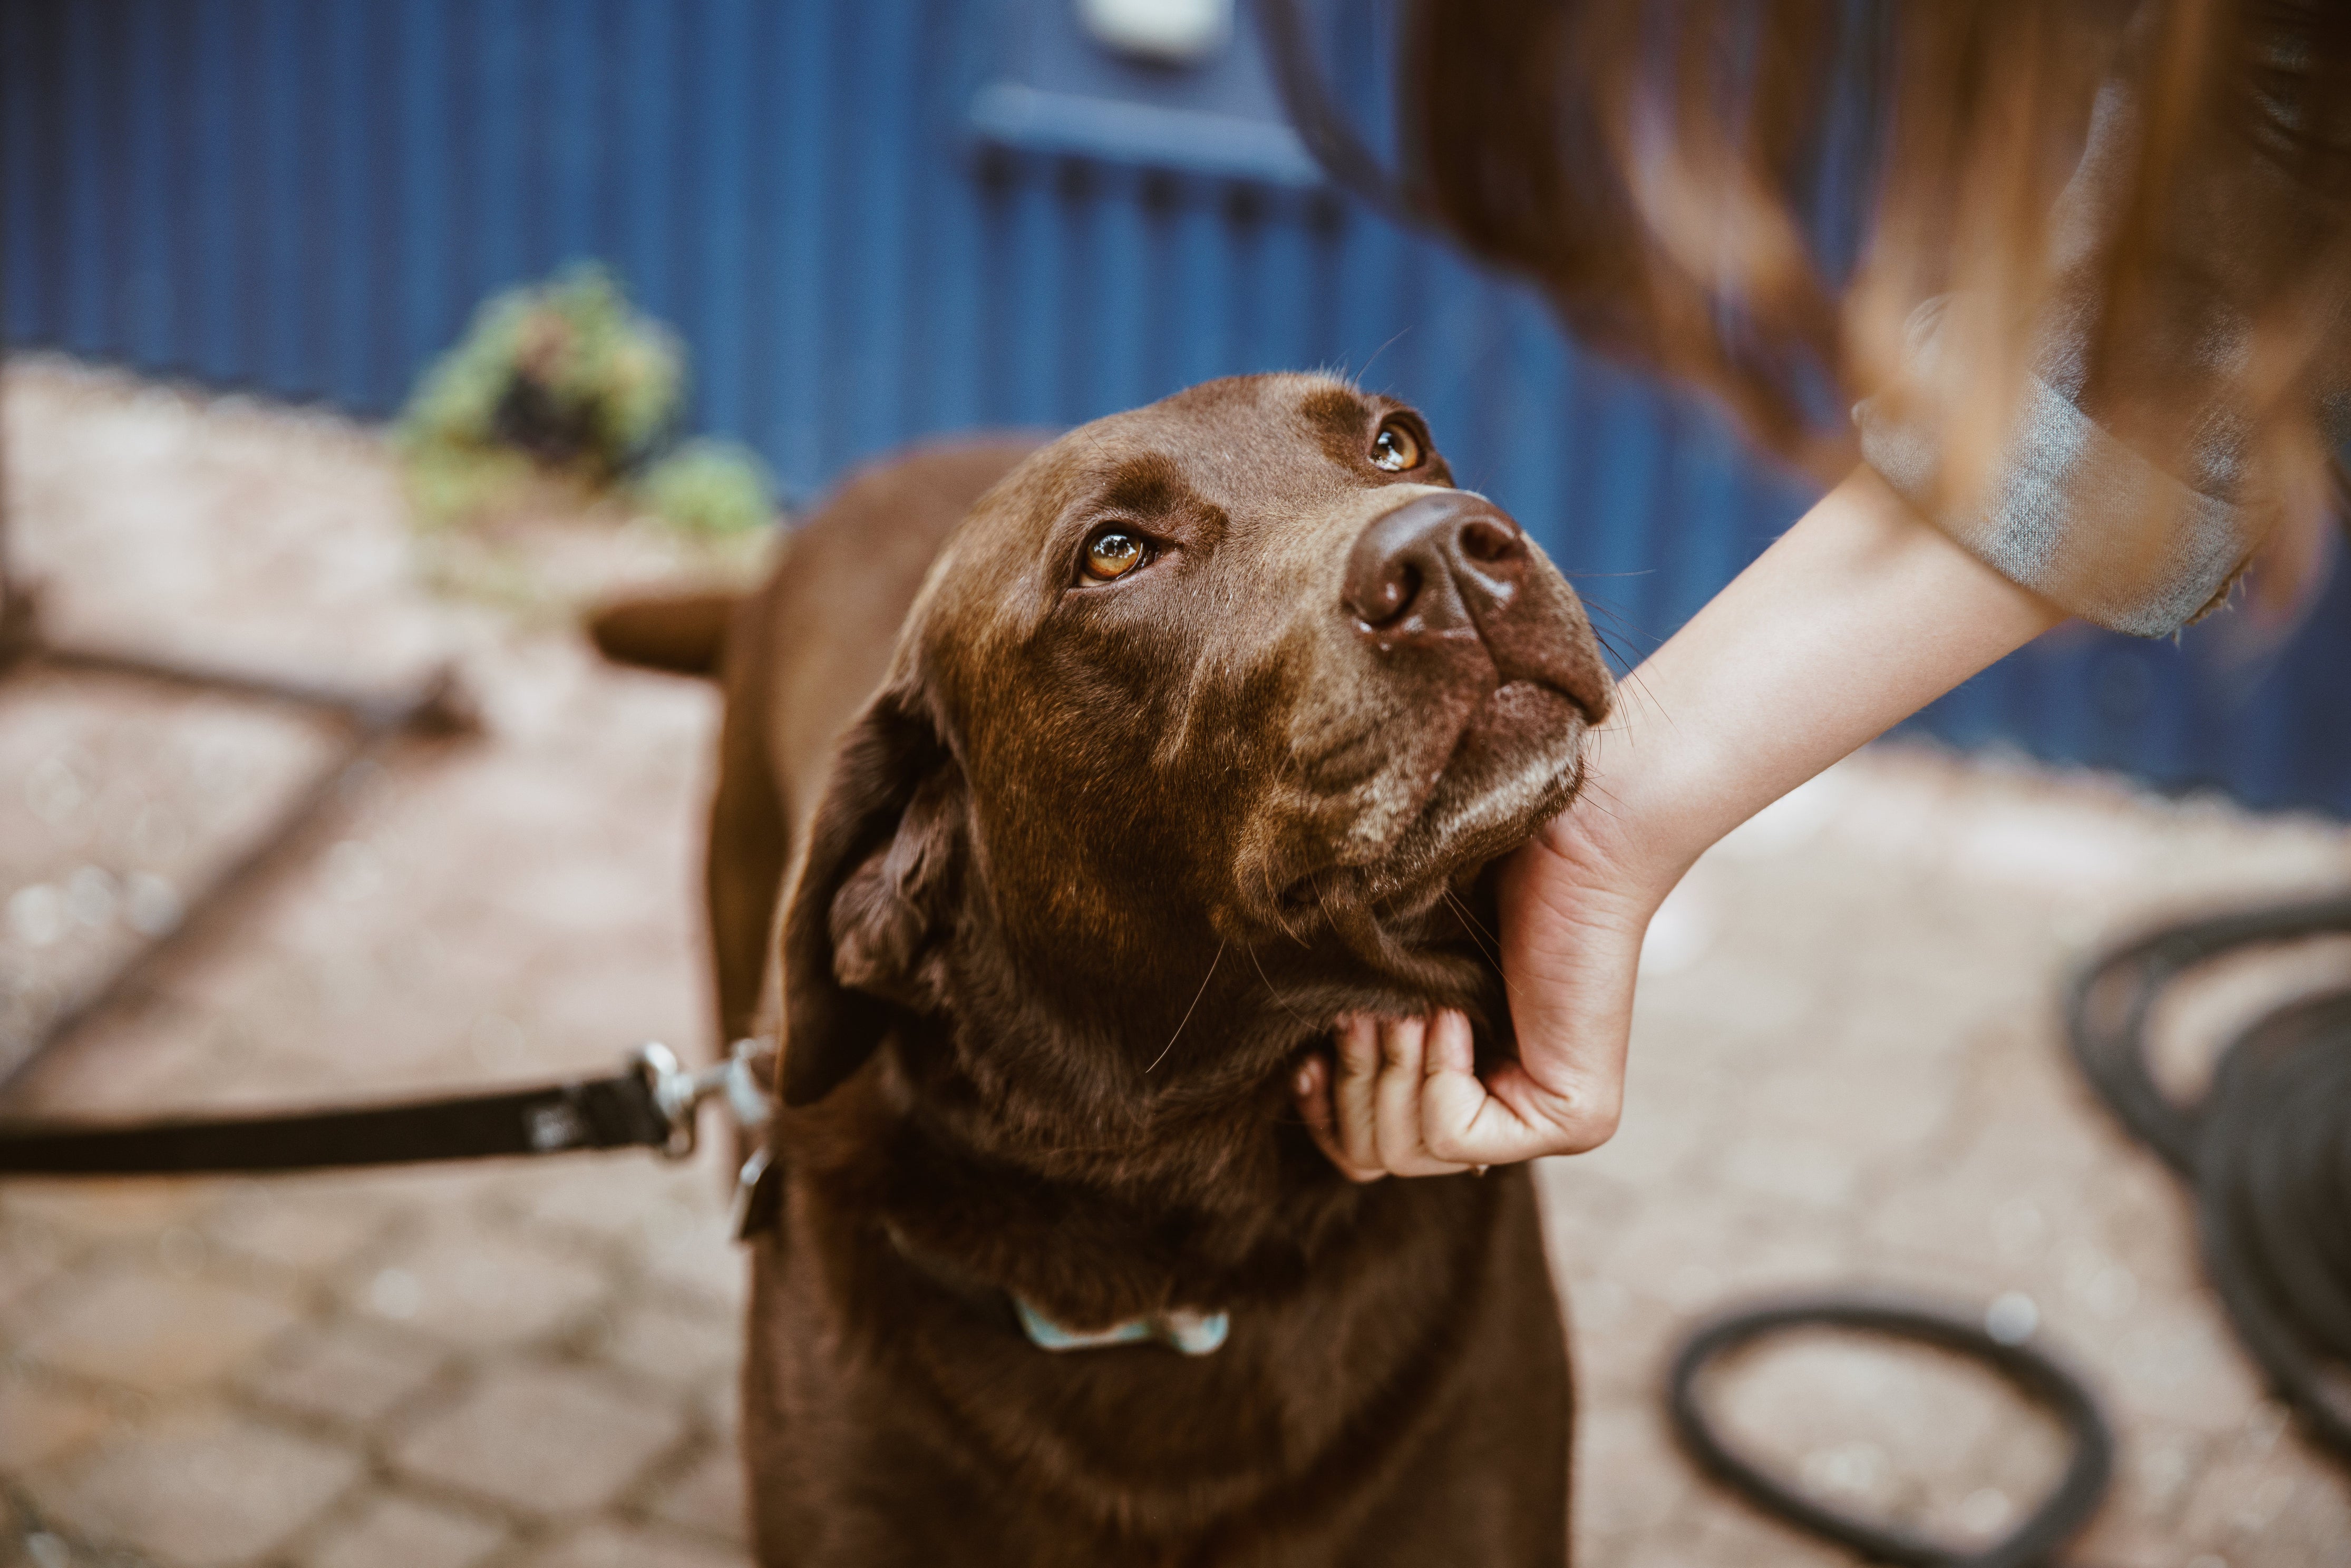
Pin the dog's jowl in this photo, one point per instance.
(1068, 794)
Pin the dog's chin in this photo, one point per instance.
(1517, 765)
(1518, 762)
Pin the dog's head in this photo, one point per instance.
(1200, 716)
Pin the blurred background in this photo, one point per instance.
(352, 340)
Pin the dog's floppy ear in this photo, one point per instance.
(871, 895)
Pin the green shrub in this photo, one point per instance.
(710, 486)
(562, 379)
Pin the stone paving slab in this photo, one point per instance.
(1846, 1070)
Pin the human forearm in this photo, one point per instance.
(1857, 617)
(1860, 615)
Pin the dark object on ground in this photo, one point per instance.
(435, 706)
(2268, 1150)
(2058, 1519)
(370, 721)
(1186, 747)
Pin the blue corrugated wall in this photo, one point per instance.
(307, 198)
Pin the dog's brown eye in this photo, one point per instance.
(1396, 448)
(1112, 554)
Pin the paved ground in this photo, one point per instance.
(1846, 1069)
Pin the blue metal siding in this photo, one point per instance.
(307, 197)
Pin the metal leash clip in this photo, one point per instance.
(677, 1095)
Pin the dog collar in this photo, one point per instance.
(1192, 1332)
(1185, 1329)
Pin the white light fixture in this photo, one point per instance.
(1164, 32)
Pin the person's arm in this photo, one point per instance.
(1861, 614)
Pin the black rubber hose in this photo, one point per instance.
(2268, 1150)
(2033, 1372)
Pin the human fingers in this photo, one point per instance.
(1451, 1095)
(1353, 1093)
(1310, 1087)
(1398, 1100)
(1509, 1116)
(1395, 1100)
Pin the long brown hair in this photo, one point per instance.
(1655, 166)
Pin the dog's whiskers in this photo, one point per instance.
(1601, 799)
(1273, 905)
(1324, 904)
(1357, 379)
(1478, 935)
(1190, 1010)
(1279, 1000)
(1474, 926)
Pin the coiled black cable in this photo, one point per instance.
(2268, 1152)
(2033, 1372)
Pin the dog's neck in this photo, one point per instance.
(1091, 1205)
(1163, 1131)
(1104, 1168)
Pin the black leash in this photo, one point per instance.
(649, 1104)
(2267, 1152)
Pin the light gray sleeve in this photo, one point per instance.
(2136, 542)
(2075, 514)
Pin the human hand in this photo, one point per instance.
(1860, 615)
(1403, 1096)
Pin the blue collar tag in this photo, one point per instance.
(1180, 1327)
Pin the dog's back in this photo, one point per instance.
(797, 656)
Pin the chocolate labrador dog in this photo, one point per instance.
(1111, 772)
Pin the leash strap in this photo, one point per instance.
(650, 1104)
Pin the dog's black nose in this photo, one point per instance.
(1435, 568)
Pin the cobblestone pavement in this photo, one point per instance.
(1846, 1069)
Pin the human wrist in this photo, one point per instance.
(1648, 808)
(1626, 841)
(1858, 615)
